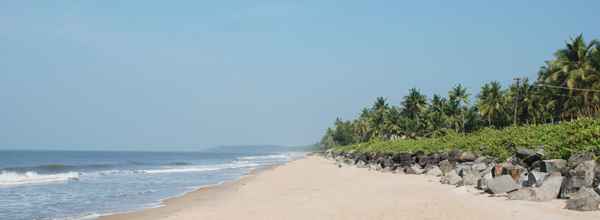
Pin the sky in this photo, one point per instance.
(168, 75)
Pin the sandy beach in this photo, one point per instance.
(315, 188)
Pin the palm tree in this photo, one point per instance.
(362, 126)
(437, 112)
(413, 107)
(459, 102)
(414, 103)
(575, 67)
(378, 112)
(491, 102)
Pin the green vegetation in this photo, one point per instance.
(525, 114)
(558, 140)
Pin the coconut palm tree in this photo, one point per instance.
(413, 107)
(378, 112)
(491, 102)
(458, 104)
(437, 112)
(574, 67)
(414, 104)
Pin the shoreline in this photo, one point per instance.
(201, 189)
(316, 188)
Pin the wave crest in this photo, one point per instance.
(8, 178)
(200, 168)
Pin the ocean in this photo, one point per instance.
(64, 185)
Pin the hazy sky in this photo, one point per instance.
(186, 74)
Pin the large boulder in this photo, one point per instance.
(502, 184)
(579, 177)
(586, 199)
(547, 191)
(451, 178)
(434, 171)
(550, 188)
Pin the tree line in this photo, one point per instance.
(567, 87)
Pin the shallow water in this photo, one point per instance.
(48, 185)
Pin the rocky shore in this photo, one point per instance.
(524, 176)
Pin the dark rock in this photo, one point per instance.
(403, 159)
(502, 184)
(523, 153)
(420, 157)
(446, 166)
(531, 160)
(586, 199)
(430, 160)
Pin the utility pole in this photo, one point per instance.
(516, 99)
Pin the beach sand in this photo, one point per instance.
(315, 188)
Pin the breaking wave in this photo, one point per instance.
(200, 168)
(8, 178)
(267, 157)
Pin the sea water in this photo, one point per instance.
(45, 185)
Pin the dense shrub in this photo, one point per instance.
(558, 140)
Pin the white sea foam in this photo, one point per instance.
(267, 157)
(200, 168)
(8, 178)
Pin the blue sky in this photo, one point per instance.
(186, 74)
